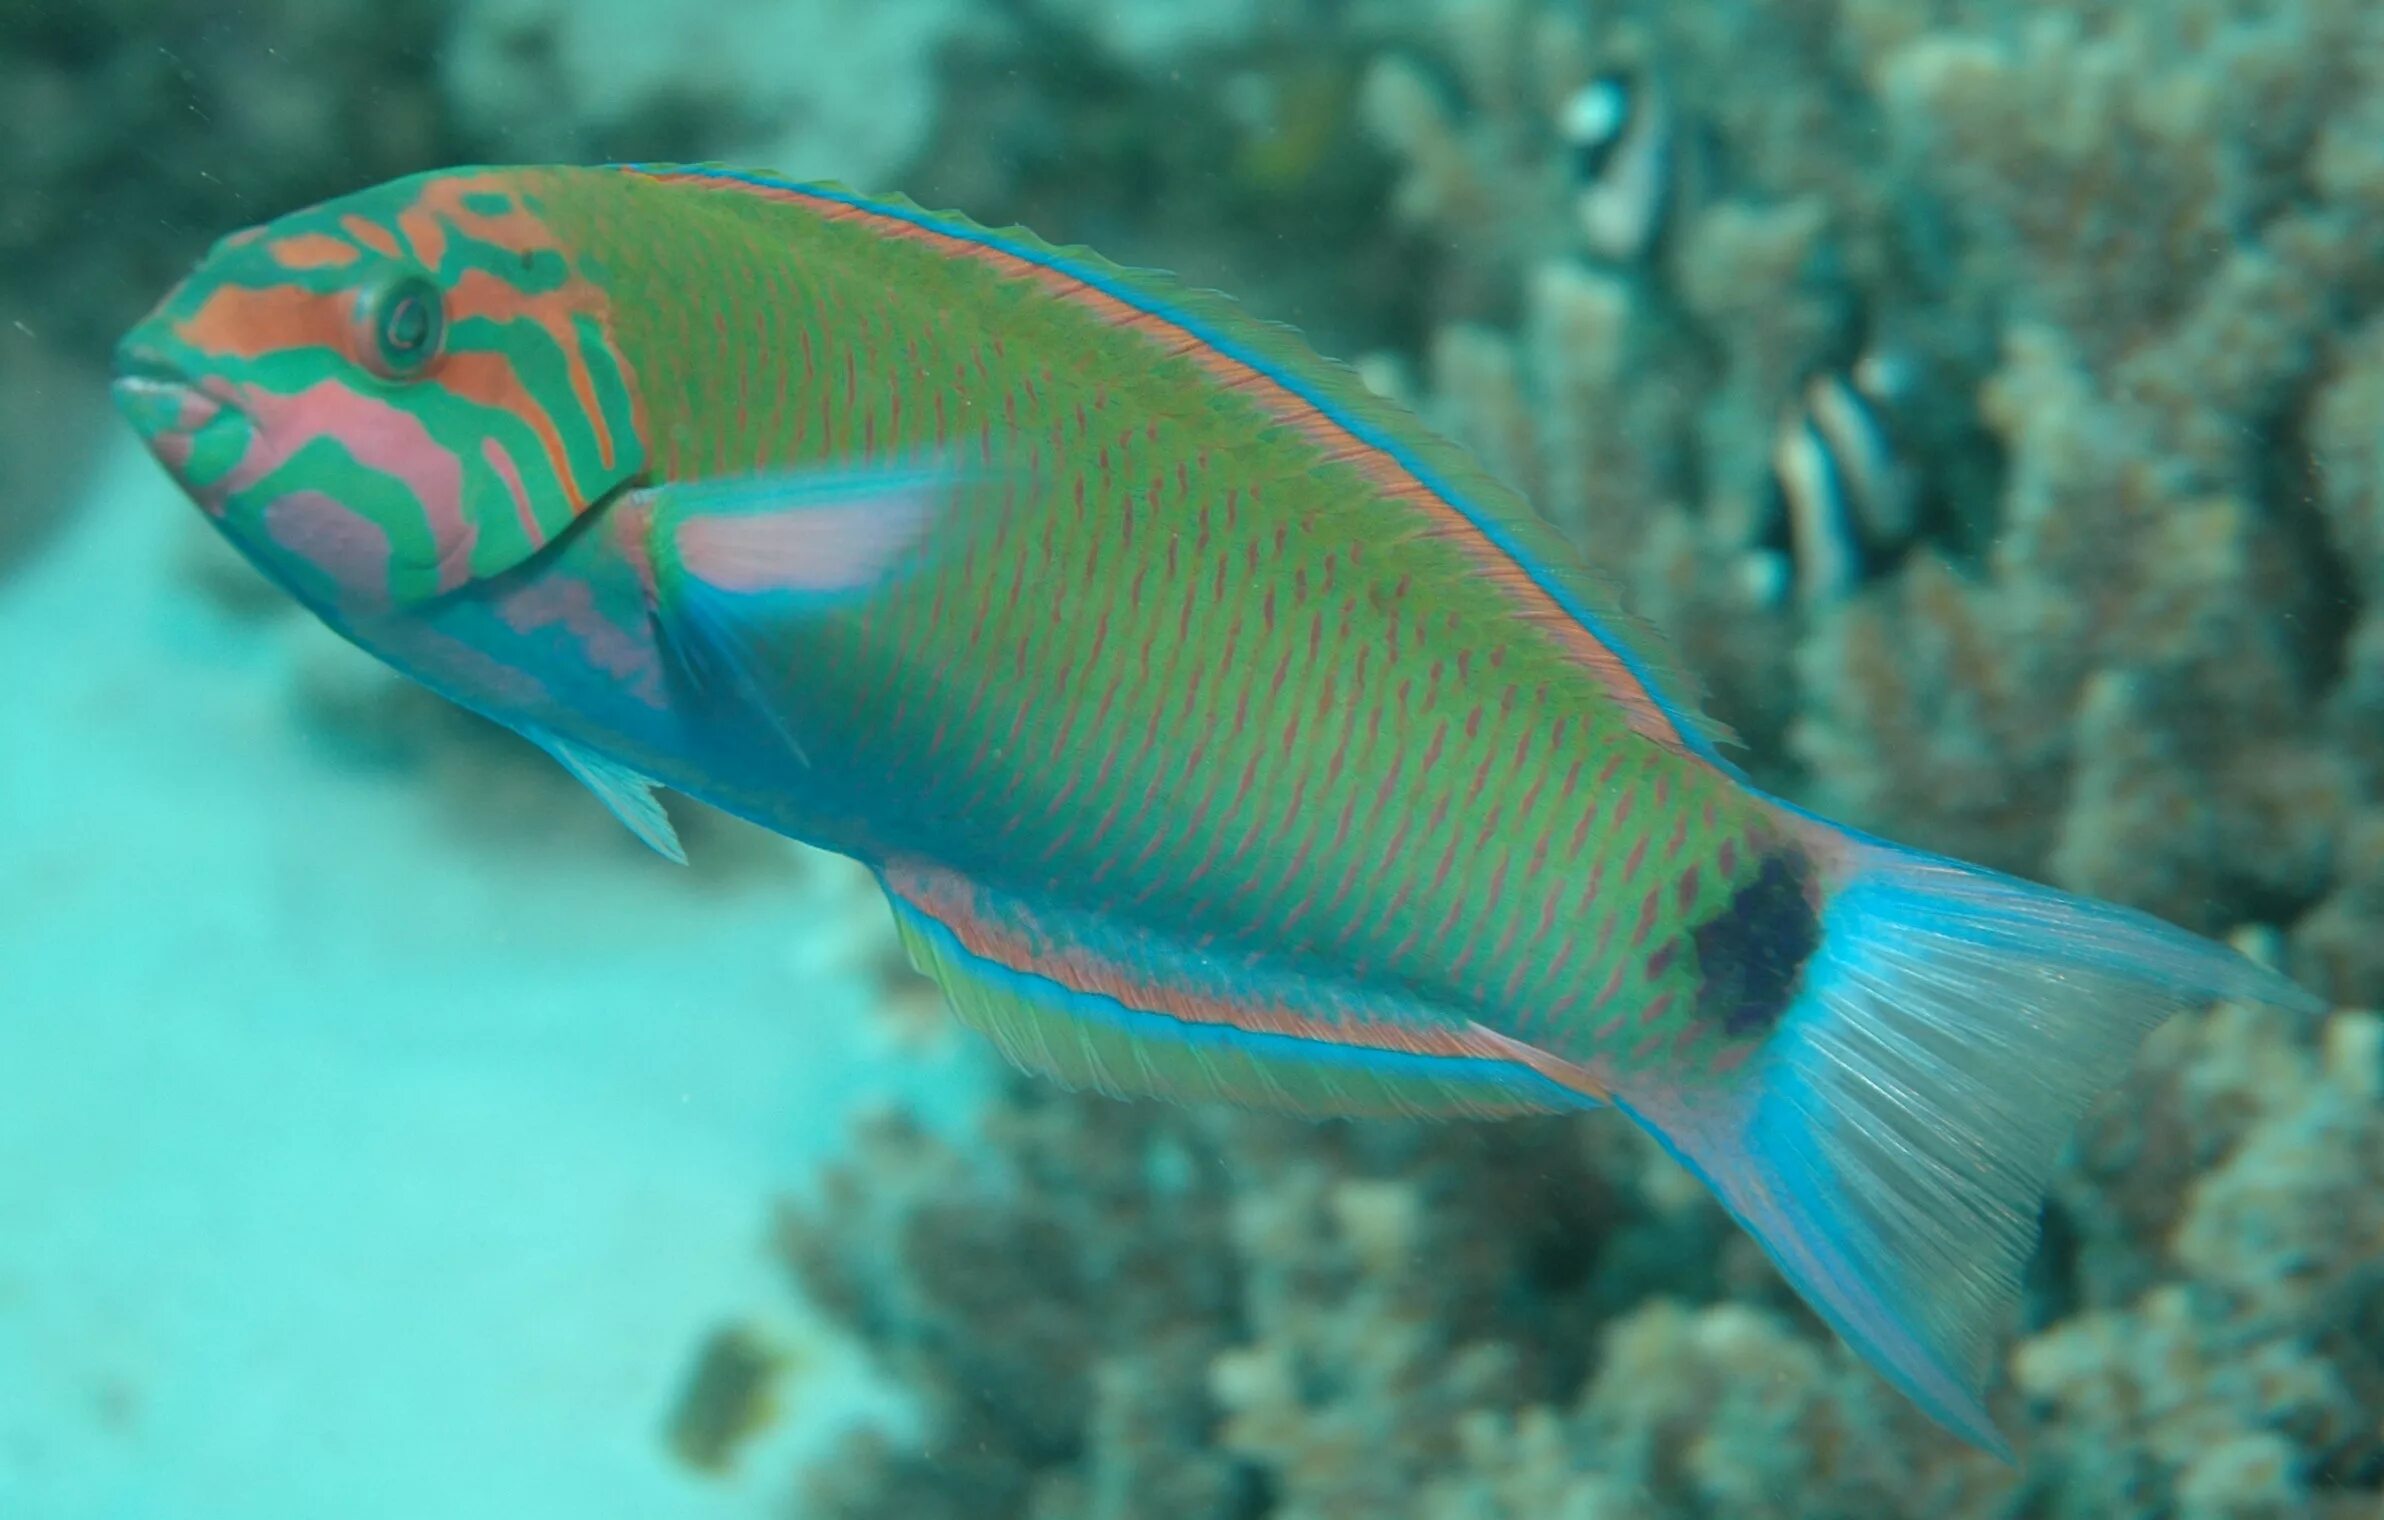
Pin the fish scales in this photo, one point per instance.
(1202, 723)
(1200, 669)
(1215, 729)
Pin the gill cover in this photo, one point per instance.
(390, 395)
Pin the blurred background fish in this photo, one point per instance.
(1619, 131)
(1848, 503)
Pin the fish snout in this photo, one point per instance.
(154, 391)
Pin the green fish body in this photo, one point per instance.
(1215, 729)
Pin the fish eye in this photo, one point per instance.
(402, 322)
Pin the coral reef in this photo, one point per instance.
(1220, 140)
(840, 89)
(1110, 1203)
(1118, 1310)
(2226, 1360)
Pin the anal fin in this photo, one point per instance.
(1126, 1011)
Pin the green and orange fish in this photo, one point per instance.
(1215, 729)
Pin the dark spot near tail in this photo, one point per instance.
(1752, 954)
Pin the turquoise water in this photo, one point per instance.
(320, 1200)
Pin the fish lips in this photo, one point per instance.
(156, 406)
(175, 415)
(156, 395)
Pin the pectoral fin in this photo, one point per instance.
(734, 557)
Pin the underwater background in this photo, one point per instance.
(384, 1133)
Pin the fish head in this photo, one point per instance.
(389, 396)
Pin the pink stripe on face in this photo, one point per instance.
(345, 545)
(173, 451)
(381, 437)
(174, 441)
(567, 602)
(501, 462)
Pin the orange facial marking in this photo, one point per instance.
(489, 380)
(424, 234)
(448, 200)
(314, 250)
(371, 234)
(444, 205)
(248, 322)
(478, 293)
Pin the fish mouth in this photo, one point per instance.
(157, 396)
(193, 425)
(141, 366)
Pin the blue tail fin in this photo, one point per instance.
(1891, 1145)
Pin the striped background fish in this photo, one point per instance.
(1215, 730)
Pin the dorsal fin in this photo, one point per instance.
(1400, 454)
